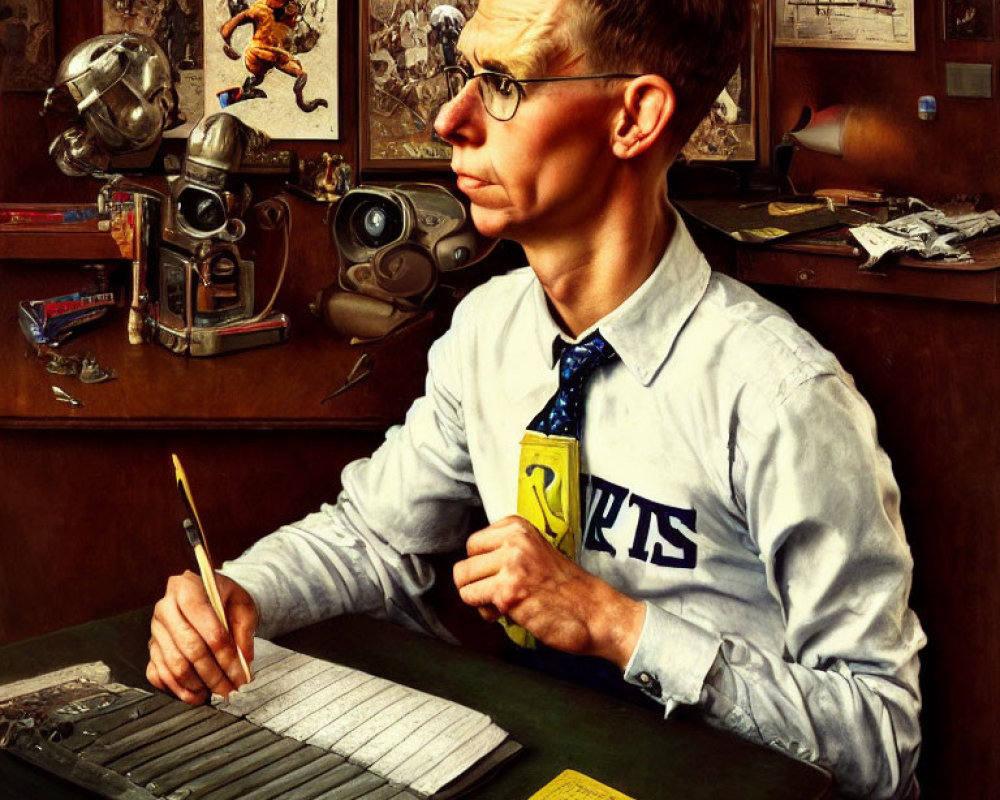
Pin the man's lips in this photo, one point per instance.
(469, 183)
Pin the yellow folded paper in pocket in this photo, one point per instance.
(548, 496)
(548, 488)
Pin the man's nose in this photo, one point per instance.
(459, 121)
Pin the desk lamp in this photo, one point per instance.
(822, 132)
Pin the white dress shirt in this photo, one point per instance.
(732, 481)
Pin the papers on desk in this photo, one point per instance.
(302, 729)
(407, 736)
(767, 221)
(927, 233)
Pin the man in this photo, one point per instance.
(742, 551)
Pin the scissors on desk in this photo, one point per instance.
(361, 370)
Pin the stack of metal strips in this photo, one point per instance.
(130, 744)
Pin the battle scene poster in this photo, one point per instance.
(403, 85)
(847, 24)
(176, 25)
(279, 73)
(728, 132)
(27, 46)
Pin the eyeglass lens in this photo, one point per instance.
(500, 93)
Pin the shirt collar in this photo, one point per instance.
(644, 327)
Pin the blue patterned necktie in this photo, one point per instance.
(548, 484)
(563, 414)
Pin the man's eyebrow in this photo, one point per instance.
(491, 65)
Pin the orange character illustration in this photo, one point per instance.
(271, 47)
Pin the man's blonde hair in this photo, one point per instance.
(541, 31)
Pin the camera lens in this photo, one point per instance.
(377, 223)
(202, 211)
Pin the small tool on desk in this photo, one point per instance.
(65, 397)
(196, 538)
(361, 370)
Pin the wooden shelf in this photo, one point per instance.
(86, 240)
(778, 266)
(280, 386)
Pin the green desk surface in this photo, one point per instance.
(560, 726)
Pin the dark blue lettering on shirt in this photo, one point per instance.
(659, 537)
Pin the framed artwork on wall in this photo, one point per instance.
(859, 25)
(968, 20)
(27, 45)
(274, 65)
(177, 26)
(402, 84)
(729, 132)
(737, 128)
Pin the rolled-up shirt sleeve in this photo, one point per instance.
(366, 553)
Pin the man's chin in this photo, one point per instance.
(493, 223)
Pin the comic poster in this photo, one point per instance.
(274, 65)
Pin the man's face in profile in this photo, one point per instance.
(541, 171)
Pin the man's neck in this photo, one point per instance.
(586, 275)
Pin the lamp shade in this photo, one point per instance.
(825, 131)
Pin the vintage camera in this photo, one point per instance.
(202, 289)
(394, 243)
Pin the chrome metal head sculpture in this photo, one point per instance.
(120, 87)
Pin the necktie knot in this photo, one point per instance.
(563, 414)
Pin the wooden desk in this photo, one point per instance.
(560, 726)
(793, 263)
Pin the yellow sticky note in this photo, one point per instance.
(572, 785)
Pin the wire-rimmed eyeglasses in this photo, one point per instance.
(501, 93)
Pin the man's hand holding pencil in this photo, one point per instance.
(202, 629)
(190, 653)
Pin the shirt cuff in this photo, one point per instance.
(250, 580)
(672, 658)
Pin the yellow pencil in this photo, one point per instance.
(196, 538)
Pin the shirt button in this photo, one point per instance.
(650, 684)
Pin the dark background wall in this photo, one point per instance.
(886, 145)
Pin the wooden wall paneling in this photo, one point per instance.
(27, 174)
(886, 144)
(90, 521)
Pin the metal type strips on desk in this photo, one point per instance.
(304, 729)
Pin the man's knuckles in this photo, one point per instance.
(181, 584)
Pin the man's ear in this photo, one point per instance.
(647, 107)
